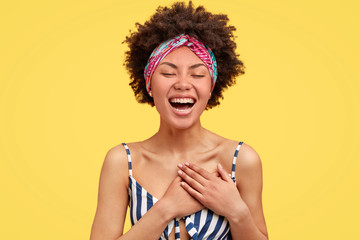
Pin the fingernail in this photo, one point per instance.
(182, 183)
(229, 175)
(187, 164)
(180, 165)
(179, 172)
(220, 167)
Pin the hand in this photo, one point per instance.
(219, 194)
(180, 202)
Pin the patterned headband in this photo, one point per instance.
(161, 51)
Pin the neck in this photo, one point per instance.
(180, 141)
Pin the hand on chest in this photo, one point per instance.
(155, 173)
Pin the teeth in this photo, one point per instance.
(181, 110)
(182, 100)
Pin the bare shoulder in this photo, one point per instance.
(248, 159)
(248, 172)
(115, 163)
(115, 167)
(116, 156)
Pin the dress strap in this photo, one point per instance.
(234, 161)
(129, 158)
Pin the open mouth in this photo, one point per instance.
(182, 104)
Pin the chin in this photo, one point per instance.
(183, 119)
(182, 124)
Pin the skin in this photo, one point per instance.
(159, 165)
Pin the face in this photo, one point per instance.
(180, 87)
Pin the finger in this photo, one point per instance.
(194, 175)
(217, 174)
(224, 175)
(205, 174)
(178, 179)
(195, 194)
(191, 181)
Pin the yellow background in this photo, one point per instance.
(65, 101)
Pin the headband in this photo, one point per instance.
(161, 51)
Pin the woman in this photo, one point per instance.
(184, 182)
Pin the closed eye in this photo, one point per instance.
(168, 74)
(198, 76)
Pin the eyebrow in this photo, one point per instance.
(191, 67)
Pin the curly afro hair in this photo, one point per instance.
(210, 29)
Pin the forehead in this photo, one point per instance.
(182, 55)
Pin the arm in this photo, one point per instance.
(249, 222)
(242, 205)
(113, 201)
(112, 196)
(153, 223)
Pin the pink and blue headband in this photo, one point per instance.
(161, 51)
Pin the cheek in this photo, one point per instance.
(159, 89)
(159, 93)
(204, 88)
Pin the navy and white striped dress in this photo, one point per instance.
(204, 224)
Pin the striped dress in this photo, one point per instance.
(204, 224)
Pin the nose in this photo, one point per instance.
(182, 83)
